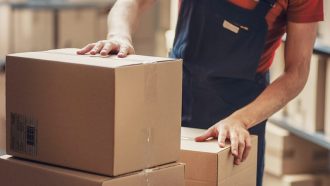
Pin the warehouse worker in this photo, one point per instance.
(227, 48)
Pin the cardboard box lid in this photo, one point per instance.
(188, 142)
(42, 173)
(68, 55)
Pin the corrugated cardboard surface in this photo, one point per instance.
(104, 115)
(15, 172)
(2, 113)
(295, 180)
(208, 164)
(286, 152)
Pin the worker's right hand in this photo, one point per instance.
(115, 44)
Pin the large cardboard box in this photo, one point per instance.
(106, 115)
(297, 180)
(15, 172)
(209, 165)
(25, 29)
(288, 154)
(307, 109)
(77, 27)
(33, 29)
(2, 113)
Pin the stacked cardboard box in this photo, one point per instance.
(15, 172)
(25, 29)
(292, 161)
(288, 154)
(34, 27)
(105, 115)
(297, 180)
(209, 165)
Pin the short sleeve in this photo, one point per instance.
(304, 11)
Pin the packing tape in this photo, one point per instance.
(150, 100)
(148, 157)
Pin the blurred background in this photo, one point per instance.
(298, 136)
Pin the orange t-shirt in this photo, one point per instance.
(300, 11)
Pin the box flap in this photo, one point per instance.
(188, 142)
(69, 55)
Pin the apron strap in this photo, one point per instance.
(270, 2)
(263, 7)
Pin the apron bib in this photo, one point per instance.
(221, 45)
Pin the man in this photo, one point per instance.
(227, 47)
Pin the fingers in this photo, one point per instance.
(223, 133)
(97, 48)
(123, 52)
(234, 143)
(241, 149)
(248, 146)
(86, 49)
(207, 134)
(107, 49)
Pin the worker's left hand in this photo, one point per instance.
(233, 129)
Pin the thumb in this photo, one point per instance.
(205, 136)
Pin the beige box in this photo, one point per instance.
(33, 29)
(307, 109)
(77, 27)
(106, 115)
(2, 112)
(209, 165)
(297, 180)
(288, 154)
(15, 172)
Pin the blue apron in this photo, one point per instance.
(221, 45)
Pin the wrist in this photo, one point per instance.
(241, 118)
(121, 35)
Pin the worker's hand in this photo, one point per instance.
(233, 129)
(120, 45)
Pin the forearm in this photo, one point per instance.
(124, 15)
(298, 52)
(273, 98)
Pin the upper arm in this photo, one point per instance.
(299, 47)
